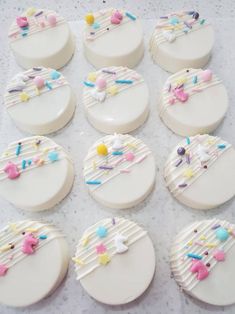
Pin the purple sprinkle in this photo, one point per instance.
(39, 13)
(180, 86)
(31, 77)
(37, 69)
(215, 227)
(92, 33)
(105, 167)
(169, 88)
(183, 185)
(109, 72)
(178, 163)
(187, 158)
(164, 17)
(187, 24)
(113, 221)
(17, 89)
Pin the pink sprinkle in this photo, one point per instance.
(101, 248)
(200, 268)
(125, 171)
(42, 24)
(29, 244)
(219, 255)
(12, 170)
(171, 101)
(197, 90)
(3, 269)
(22, 21)
(141, 159)
(118, 15)
(129, 156)
(199, 243)
(118, 162)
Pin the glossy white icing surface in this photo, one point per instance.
(45, 173)
(113, 180)
(41, 43)
(180, 41)
(203, 111)
(46, 109)
(200, 238)
(199, 177)
(112, 44)
(31, 277)
(123, 245)
(125, 104)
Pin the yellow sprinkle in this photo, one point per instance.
(78, 261)
(5, 154)
(210, 141)
(230, 230)
(24, 96)
(32, 230)
(210, 245)
(202, 237)
(13, 227)
(5, 248)
(104, 259)
(30, 11)
(190, 243)
(181, 80)
(131, 145)
(46, 150)
(37, 91)
(85, 241)
(188, 173)
(94, 164)
(92, 77)
(113, 90)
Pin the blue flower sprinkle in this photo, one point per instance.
(55, 75)
(53, 156)
(101, 232)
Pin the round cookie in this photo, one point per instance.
(41, 37)
(34, 260)
(113, 37)
(108, 260)
(35, 173)
(200, 172)
(40, 100)
(193, 101)
(119, 171)
(116, 99)
(202, 261)
(182, 40)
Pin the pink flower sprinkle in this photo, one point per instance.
(200, 268)
(129, 156)
(101, 248)
(219, 255)
(3, 269)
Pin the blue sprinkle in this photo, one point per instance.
(185, 30)
(132, 17)
(123, 81)
(188, 140)
(18, 149)
(101, 232)
(221, 146)
(174, 21)
(29, 162)
(96, 25)
(25, 28)
(55, 75)
(94, 182)
(194, 256)
(25, 33)
(43, 237)
(194, 79)
(116, 153)
(89, 84)
(53, 156)
(23, 164)
(48, 85)
(202, 21)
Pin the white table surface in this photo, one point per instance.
(160, 213)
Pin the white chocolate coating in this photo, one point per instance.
(202, 112)
(47, 110)
(126, 183)
(123, 111)
(43, 183)
(174, 50)
(30, 278)
(203, 178)
(44, 45)
(120, 280)
(200, 238)
(120, 45)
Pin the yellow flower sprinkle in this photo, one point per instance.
(24, 96)
(181, 80)
(188, 173)
(92, 77)
(113, 90)
(104, 259)
(78, 261)
(85, 241)
(32, 230)
(202, 237)
(30, 11)
(190, 243)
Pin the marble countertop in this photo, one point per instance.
(162, 215)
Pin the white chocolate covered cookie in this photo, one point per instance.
(119, 171)
(35, 173)
(109, 261)
(40, 100)
(193, 101)
(33, 261)
(202, 261)
(182, 40)
(113, 37)
(116, 99)
(41, 38)
(200, 172)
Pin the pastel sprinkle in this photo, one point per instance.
(112, 90)
(183, 185)
(24, 96)
(18, 149)
(202, 21)
(124, 81)
(85, 241)
(141, 159)
(93, 182)
(101, 248)
(194, 79)
(53, 156)
(215, 226)
(3, 269)
(55, 75)
(23, 164)
(96, 25)
(92, 76)
(104, 259)
(101, 232)
(221, 146)
(106, 167)
(125, 171)
(202, 237)
(78, 261)
(88, 84)
(195, 256)
(132, 17)
(210, 245)
(117, 153)
(178, 162)
(188, 140)
(113, 221)
(43, 237)
(219, 255)
(48, 85)
(188, 160)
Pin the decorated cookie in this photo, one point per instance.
(202, 261)
(182, 40)
(193, 102)
(40, 100)
(41, 37)
(119, 171)
(33, 262)
(113, 37)
(200, 171)
(35, 173)
(116, 99)
(109, 258)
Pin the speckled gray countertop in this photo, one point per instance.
(160, 213)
